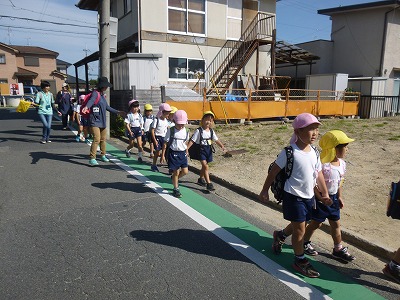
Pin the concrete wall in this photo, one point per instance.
(358, 38)
(391, 58)
(10, 67)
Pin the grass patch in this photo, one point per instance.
(380, 125)
(394, 138)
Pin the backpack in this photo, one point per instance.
(195, 149)
(393, 207)
(278, 185)
(84, 103)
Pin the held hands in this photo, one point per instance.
(122, 113)
(326, 200)
(85, 110)
(59, 113)
(264, 196)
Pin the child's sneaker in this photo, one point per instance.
(127, 153)
(210, 187)
(201, 181)
(392, 273)
(309, 249)
(104, 158)
(140, 159)
(78, 138)
(343, 254)
(304, 267)
(93, 162)
(277, 243)
(176, 193)
(154, 168)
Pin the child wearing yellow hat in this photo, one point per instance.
(200, 148)
(334, 147)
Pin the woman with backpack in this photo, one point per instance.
(97, 106)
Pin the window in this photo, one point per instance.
(186, 68)
(234, 19)
(3, 80)
(31, 61)
(127, 6)
(187, 16)
(2, 58)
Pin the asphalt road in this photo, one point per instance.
(71, 231)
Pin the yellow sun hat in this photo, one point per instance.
(328, 143)
(209, 112)
(173, 110)
(148, 106)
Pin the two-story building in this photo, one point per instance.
(29, 65)
(181, 42)
(364, 44)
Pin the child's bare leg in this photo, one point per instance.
(310, 229)
(140, 147)
(155, 157)
(204, 171)
(299, 229)
(151, 150)
(175, 178)
(335, 233)
(183, 172)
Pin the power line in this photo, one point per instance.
(40, 21)
(48, 30)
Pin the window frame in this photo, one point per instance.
(127, 6)
(3, 61)
(187, 11)
(31, 59)
(187, 79)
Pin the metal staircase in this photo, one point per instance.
(234, 55)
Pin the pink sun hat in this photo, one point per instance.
(163, 107)
(301, 121)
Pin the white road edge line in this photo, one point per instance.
(289, 279)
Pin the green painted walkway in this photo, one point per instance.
(331, 283)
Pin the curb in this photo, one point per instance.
(347, 235)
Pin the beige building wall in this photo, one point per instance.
(10, 67)
(391, 59)
(358, 39)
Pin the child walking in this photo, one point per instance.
(176, 139)
(201, 141)
(299, 199)
(134, 127)
(148, 119)
(334, 147)
(158, 130)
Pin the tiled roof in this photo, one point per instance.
(33, 50)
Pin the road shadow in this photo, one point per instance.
(136, 187)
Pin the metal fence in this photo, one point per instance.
(379, 106)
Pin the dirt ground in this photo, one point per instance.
(373, 162)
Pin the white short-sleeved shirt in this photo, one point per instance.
(206, 136)
(334, 176)
(77, 108)
(160, 127)
(134, 120)
(147, 122)
(306, 166)
(179, 142)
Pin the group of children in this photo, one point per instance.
(169, 140)
(313, 192)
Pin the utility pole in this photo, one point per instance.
(104, 46)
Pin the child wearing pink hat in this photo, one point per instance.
(298, 198)
(334, 147)
(176, 140)
(159, 129)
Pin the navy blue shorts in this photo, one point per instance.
(85, 122)
(323, 212)
(206, 153)
(177, 159)
(136, 132)
(146, 138)
(297, 209)
(160, 141)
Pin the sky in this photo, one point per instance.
(297, 21)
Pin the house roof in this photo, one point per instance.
(25, 72)
(290, 54)
(62, 62)
(88, 4)
(341, 9)
(30, 50)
